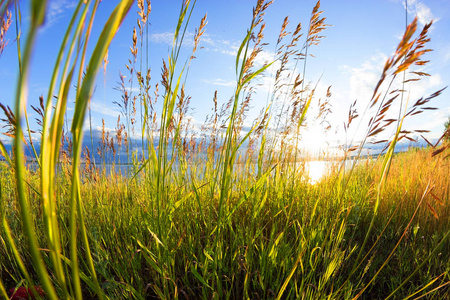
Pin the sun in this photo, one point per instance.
(313, 141)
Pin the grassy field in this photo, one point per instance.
(223, 213)
(287, 231)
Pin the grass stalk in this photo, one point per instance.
(38, 10)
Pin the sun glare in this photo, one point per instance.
(313, 141)
(316, 170)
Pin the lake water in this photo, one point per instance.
(316, 169)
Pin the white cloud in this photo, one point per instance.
(424, 14)
(221, 82)
(421, 10)
(104, 109)
(132, 89)
(97, 130)
(232, 51)
(219, 45)
(206, 41)
(162, 38)
(167, 38)
(56, 10)
(363, 79)
(264, 57)
(6, 141)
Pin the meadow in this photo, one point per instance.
(226, 212)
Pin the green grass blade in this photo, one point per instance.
(15, 251)
(199, 277)
(256, 73)
(3, 290)
(83, 97)
(98, 54)
(38, 11)
(5, 154)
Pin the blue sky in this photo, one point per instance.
(350, 59)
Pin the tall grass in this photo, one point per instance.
(222, 213)
(51, 136)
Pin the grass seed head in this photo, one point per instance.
(5, 24)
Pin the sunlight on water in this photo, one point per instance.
(316, 170)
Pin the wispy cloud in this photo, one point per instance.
(208, 42)
(230, 51)
(364, 78)
(104, 109)
(265, 57)
(162, 38)
(421, 10)
(134, 89)
(56, 11)
(167, 38)
(211, 43)
(221, 82)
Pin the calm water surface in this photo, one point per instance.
(316, 169)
